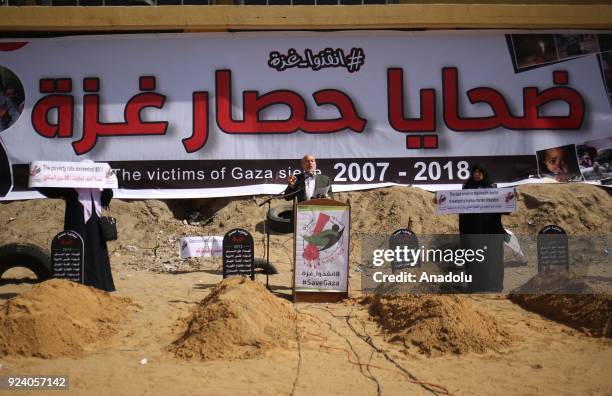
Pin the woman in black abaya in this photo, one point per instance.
(83, 209)
(479, 230)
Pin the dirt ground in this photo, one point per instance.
(331, 348)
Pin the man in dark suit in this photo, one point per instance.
(308, 184)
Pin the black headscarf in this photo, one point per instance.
(6, 177)
(484, 183)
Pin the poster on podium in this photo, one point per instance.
(321, 250)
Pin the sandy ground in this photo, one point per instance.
(332, 357)
(337, 348)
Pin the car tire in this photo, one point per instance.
(264, 267)
(280, 219)
(28, 256)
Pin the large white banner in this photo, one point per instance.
(215, 114)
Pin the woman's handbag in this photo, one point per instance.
(108, 227)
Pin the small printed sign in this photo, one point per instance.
(72, 175)
(321, 247)
(238, 255)
(482, 200)
(201, 246)
(552, 247)
(400, 239)
(68, 256)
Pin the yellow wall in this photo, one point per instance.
(228, 17)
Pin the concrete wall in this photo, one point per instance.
(229, 17)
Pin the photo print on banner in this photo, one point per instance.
(559, 163)
(530, 51)
(12, 98)
(595, 160)
(605, 64)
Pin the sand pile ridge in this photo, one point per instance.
(437, 325)
(239, 319)
(567, 298)
(589, 313)
(59, 318)
(578, 208)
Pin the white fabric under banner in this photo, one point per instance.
(191, 115)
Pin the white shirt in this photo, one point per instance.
(309, 183)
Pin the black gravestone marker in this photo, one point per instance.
(405, 240)
(238, 254)
(552, 248)
(68, 256)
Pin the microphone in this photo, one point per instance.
(294, 192)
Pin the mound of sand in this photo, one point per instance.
(567, 298)
(58, 318)
(578, 208)
(589, 313)
(437, 325)
(239, 319)
(556, 281)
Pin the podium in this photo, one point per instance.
(321, 237)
